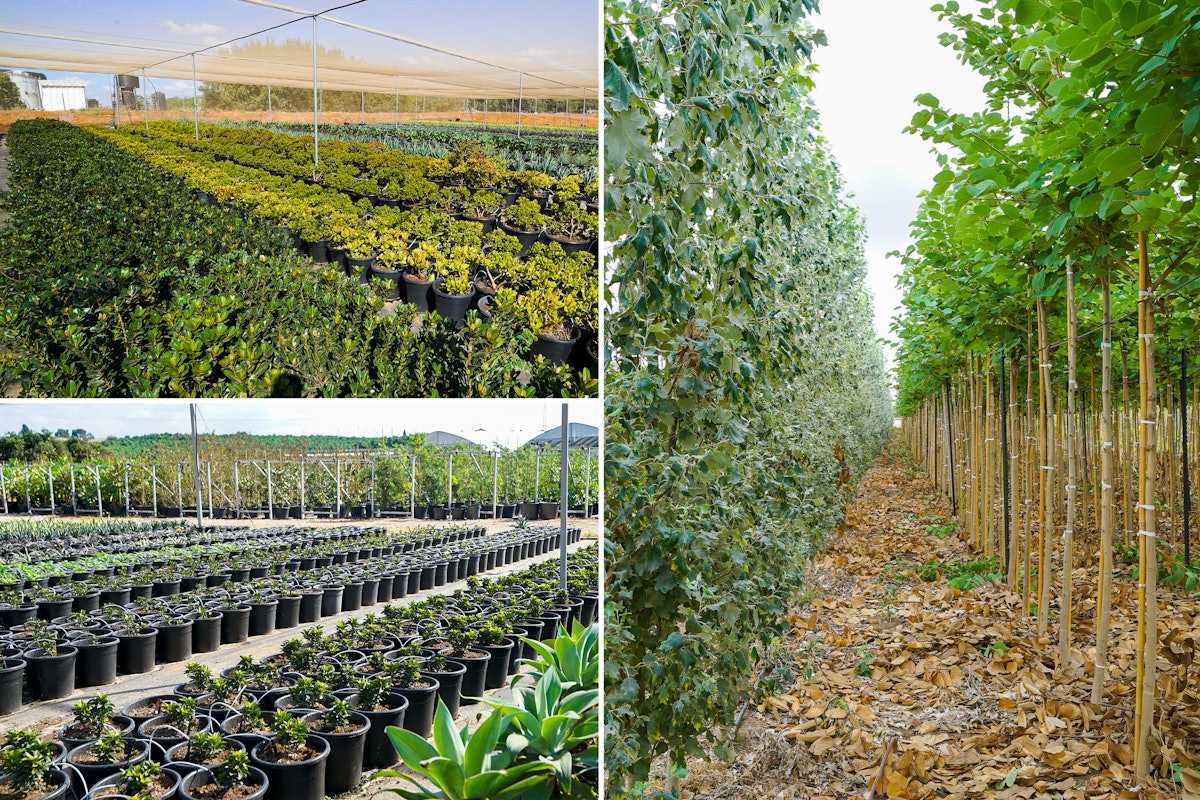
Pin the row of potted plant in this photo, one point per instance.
(92, 644)
(313, 716)
(431, 260)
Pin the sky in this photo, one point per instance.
(882, 54)
(509, 423)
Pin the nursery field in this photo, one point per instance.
(237, 263)
(299, 656)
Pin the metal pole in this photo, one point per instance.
(301, 487)
(28, 503)
(316, 154)
(950, 445)
(587, 483)
(495, 483)
(196, 470)
(208, 474)
(371, 498)
(74, 496)
(128, 504)
(1187, 475)
(154, 487)
(520, 97)
(117, 109)
(99, 494)
(450, 481)
(270, 493)
(562, 506)
(179, 487)
(145, 105)
(412, 488)
(50, 474)
(237, 493)
(338, 463)
(537, 474)
(1004, 460)
(195, 99)
(3, 489)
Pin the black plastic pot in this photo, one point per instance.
(452, 306)
(530, 511)
(287, 613)
(202, 777)
(170, 776)
(121, 723)
(174, 641)
(449, 684)
(352, 596)
(526, 238)
(417, 292)
(422, 703)
(96, 664)
(12, 674)
(206, 634)
(360, 267)
(556, 351)
(549, 510)
(92, 774)
(474, 679)
(177, 758)
(50, 677)
(319, 251)
(343, 770)
(14, 616)
(331, 600)
(302, 781)
(235, 624)
(55, 607)
(497, 666)
(57, 779)
(378, 751)
(310, 606)
(262, 617)
(389, 276)
(135, 651)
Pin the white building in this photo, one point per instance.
(63, 95)
(27, 86)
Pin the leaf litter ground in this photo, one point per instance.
(910, 688)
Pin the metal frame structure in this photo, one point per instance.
(335, 468)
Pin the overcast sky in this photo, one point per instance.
(509, 423)
(882, 54)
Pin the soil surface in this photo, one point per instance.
(902, 686)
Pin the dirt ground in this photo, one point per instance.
(910, 688)
(104, 116)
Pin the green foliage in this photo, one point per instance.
(94, 713)
(136, 779)
(291, 734)
(110, 748)
(10, 95)
(963, 575)
(26, 759)
(743, 357)
(458, 766)
(234, 771)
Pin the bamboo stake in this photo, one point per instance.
(1046, 452)
(1029, 462)
(1010, 476)
(1104, 601)
(1064, 627)
(1147, 641)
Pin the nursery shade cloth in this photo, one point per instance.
(579, 436)
(452, 48)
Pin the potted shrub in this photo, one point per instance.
(460, 640)
(248, 725)
(346, 733)
(204, 749)
(453, 291)
(233, 780)
(293, 759)
(27, 770)
(493, 638)
(107, 756)
(51, 667)
(545, 310)
(449, 675)
(179, 720)
(383, 707)
(419, 689)
(482, 207)
(571, 226)
(93, 719)
(524, 220)
(145, 779)
(420, 270)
